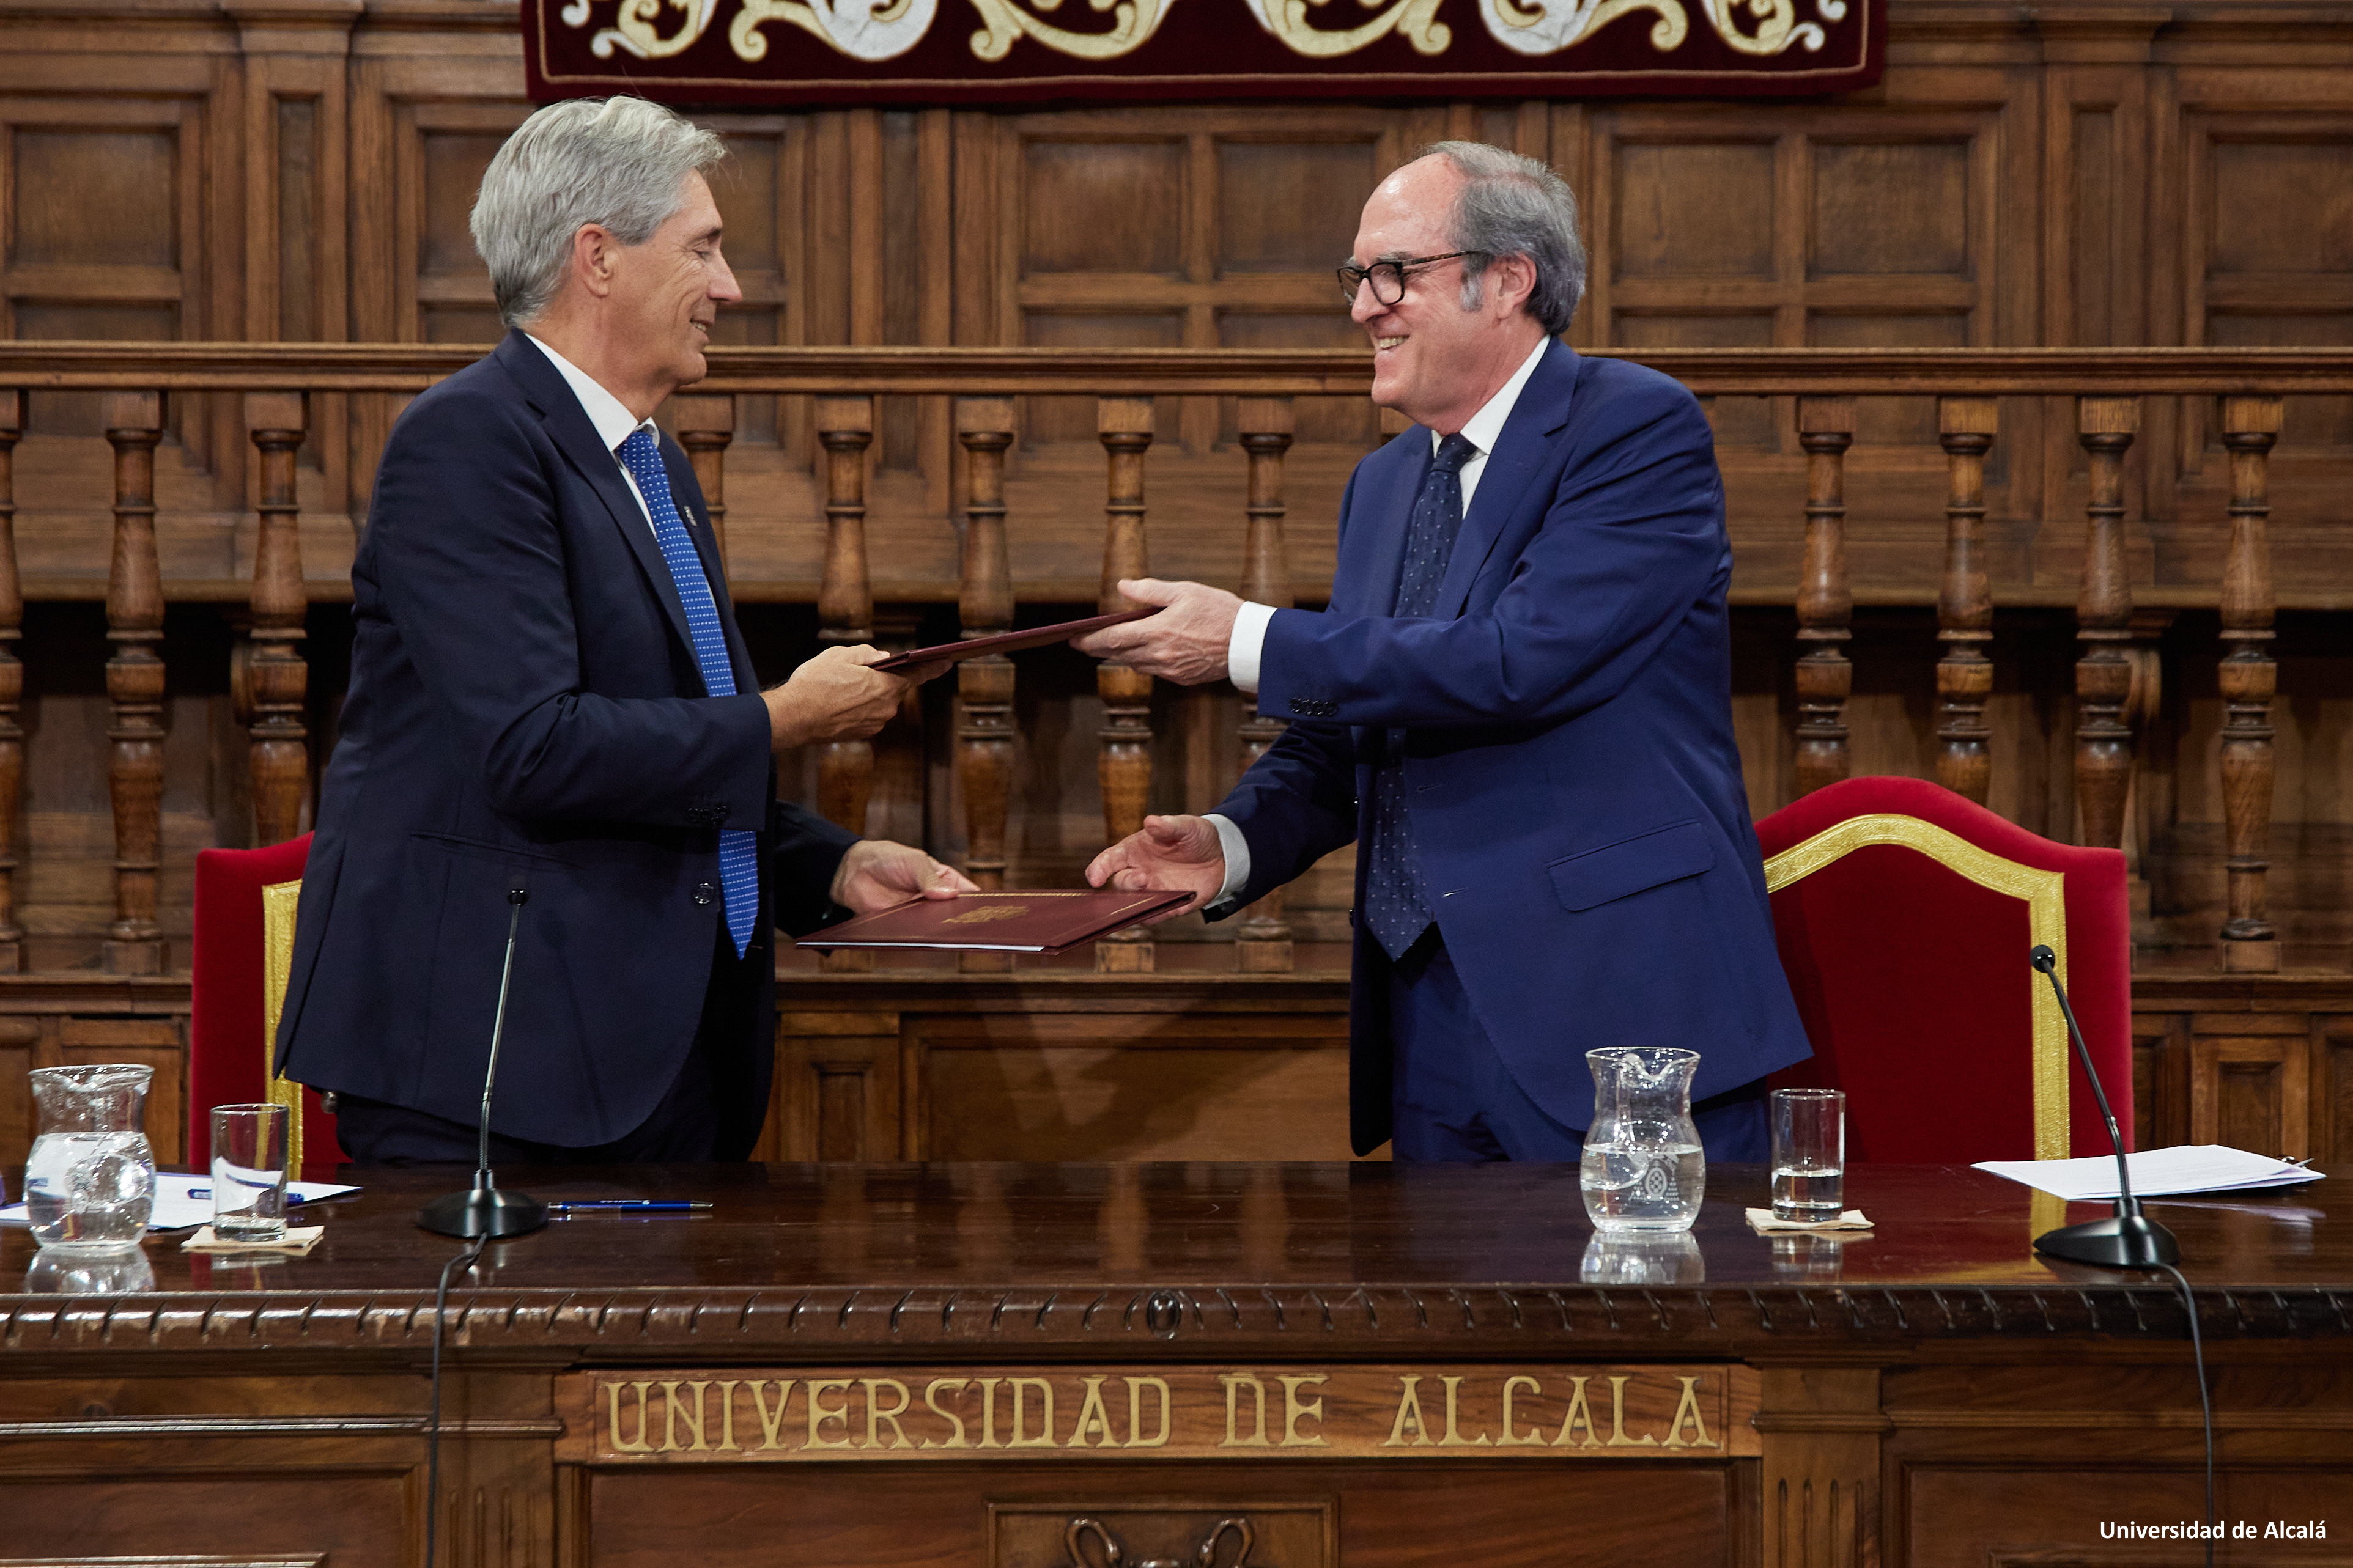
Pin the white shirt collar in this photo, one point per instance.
(1485, 427)
(613, 423)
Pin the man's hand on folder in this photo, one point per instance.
(834, 697)
(1172, 852)
(1186, 642)
(875, 874)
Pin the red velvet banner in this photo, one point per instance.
(785, 53)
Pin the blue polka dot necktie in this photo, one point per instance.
(739, 860)
(1397, 909)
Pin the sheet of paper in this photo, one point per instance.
(182, 1200)
(2185, 1168)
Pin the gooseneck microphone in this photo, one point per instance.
(2129, 1240)
(484, 1211)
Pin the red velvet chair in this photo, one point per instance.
(1905, 914)
(243, 941)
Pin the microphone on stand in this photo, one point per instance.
(2129, 1240)
(485, 1211)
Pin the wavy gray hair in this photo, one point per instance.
(619, 162)
(1513, 206)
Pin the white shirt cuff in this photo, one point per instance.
(1242, 649)
(1237, 851)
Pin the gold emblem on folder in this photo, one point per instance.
(987, 912)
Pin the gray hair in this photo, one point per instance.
(619, 162)
(1513, 206)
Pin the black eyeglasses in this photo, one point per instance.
(1387, 278)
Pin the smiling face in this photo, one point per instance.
(667, 293)
(1433, 361)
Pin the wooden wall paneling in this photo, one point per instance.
(136, 265)
(2332, 1087)
(2161, 1076)
(1821, 1482)
(2251, 1082)
(425, 116)
(297, 221)
(159, 1044)
(1100, 1083)
(838, 1088)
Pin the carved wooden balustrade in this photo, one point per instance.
(278, 381)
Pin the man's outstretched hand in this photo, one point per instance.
(1186, 642)
(1171, 852)
(876, 874)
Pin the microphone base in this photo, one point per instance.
(2123, 1241)
(484, 1212)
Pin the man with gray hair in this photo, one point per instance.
(1517, 706)
(549, 694)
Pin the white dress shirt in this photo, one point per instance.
(1483, 429)
(615, 423)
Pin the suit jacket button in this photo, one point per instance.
(704, 892)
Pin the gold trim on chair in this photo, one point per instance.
(2044, 893)
(279, 902)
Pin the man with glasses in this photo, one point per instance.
(1517, 706)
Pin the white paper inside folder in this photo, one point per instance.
(2185, 1168)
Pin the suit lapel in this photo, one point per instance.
(1365, 580)
(567, 426)
(1520, 452)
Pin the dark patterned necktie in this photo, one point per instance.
(1397, 910)
(738, 861)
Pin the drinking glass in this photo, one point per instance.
(1808, 1153)
(249, 1172)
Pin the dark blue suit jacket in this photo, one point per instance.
(1574, 790)
(524, 702)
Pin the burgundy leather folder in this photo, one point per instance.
(1007, 642)
(1034, 921)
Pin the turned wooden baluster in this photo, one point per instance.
(1965, 427)
(134, 684)
(2250, 677)
(1263, 943)
(1825, 603)
(12, 686)
(2105, 426)
(276, 675)
(1125, 424)
(845, 601)
(845, 613)
(706, 425)
(985, 686)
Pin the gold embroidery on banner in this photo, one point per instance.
(2045, 897)
(986, 913)
(1416, 21)
(858, 28)
(1776, 24)
(635, 26)
(1133, 22)
(1550, 26)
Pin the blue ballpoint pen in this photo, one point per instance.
(195, 1192)
(627, 1206)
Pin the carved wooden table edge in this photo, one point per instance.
(1160, 1320)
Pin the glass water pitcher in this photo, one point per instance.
(90, 1181)
(1642, 1170)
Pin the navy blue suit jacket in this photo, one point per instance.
(1570, 772)
(524, 703)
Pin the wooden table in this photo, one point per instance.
(1292, 1366)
